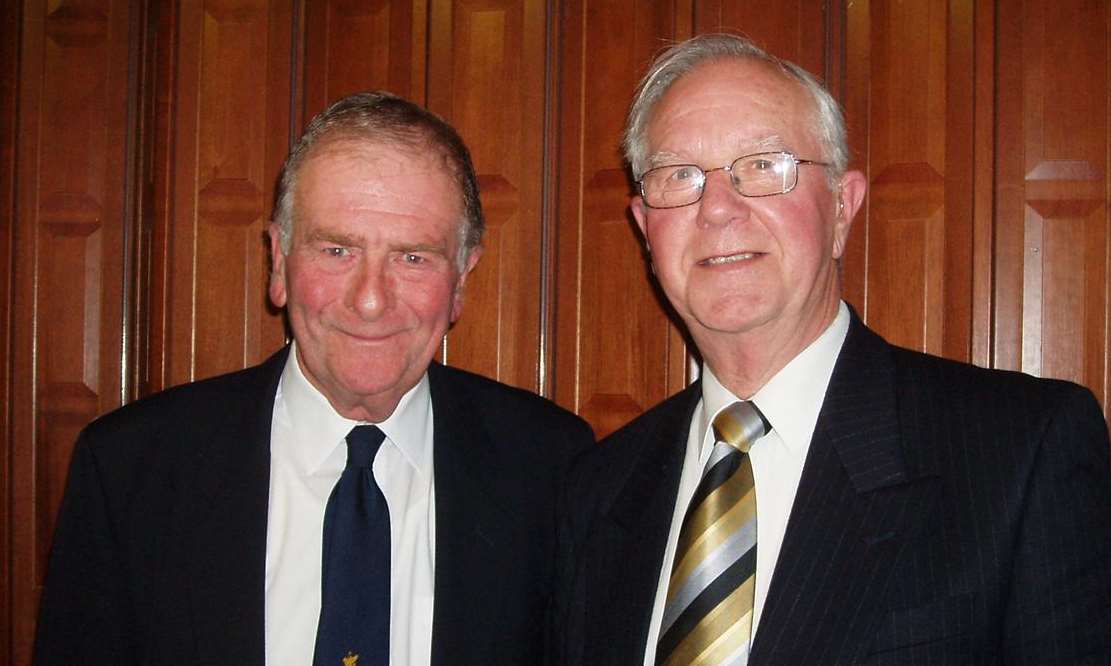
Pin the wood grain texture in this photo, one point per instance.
(486, 72)
(792, 29)
(10, 25)
(909, 101)
(613, 340)
(68, 282)
(355, 45)
(1052, 187)
(231, 114)
(984, 130)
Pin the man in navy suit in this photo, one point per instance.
(193, 523)
(892, 507)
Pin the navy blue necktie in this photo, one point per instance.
(355, 580)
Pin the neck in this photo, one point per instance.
(744, 362)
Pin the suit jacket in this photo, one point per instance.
(159, 553)
(946, 514)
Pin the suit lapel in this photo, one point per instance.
(631, 539)
(857, 503)
(473, 509)
(225, 523)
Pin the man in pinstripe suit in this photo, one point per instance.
(899, 508)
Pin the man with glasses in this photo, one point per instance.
(818, 496)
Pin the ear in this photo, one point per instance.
(457, 297)
(850, 198)
(640, 212)
(277, 272)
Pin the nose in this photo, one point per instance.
(721, 203)
(370, 294)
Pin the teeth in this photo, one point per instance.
(728, 259)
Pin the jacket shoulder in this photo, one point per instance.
(977, 386)
(189, 405)
(509, 405)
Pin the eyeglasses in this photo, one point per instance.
(757, 175)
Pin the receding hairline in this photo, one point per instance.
(353, 142)
(774, 67)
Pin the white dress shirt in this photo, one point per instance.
(307, 455)
(790, 401)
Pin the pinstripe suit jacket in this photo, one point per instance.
(946, 515)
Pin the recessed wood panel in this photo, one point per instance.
(68, 283)
(791, 29)
(1051, 298)
(356, 45)
(486, 69)
(617, 353)
(232, 127)
(910, 113)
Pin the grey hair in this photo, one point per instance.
(680, 59)
(383, 118)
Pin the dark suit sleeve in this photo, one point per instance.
(1060, 600)
(555, 651)
(84, 615)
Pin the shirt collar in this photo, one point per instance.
(792, 398)
(319, 430)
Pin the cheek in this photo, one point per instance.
(667, 242)
(311, 292)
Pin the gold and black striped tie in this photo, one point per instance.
(710, 597)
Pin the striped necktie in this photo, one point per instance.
(710, 598)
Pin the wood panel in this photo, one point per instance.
(486, 72)
(1051, 296)
(791, 29)
(68, 284)
(909, 103)
(10, 25)
(983, 128)
(616, 353)
(231, 101)
(355, 45)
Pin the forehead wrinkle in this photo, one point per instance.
(768, 143)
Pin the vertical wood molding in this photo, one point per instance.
(68, 284)
(10, 26)
(230, 123)
(616, 351)
(486, 67)
(984, 130)
(351, 46)
(983, 186)
(1052, 190)
(909, 97)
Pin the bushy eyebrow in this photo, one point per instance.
(425, 247)
(337, 237)
(769, 143)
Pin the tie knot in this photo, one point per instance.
(362, 445)
(739, 425)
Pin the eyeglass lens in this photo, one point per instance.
(759, 175)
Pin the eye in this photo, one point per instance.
(685, 173)
(336, 251)
(761, 164)
(412, 258)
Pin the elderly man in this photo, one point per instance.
(819, 496)
(348, 501)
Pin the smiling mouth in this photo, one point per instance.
(729, 258)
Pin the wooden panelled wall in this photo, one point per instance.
(139, 143)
